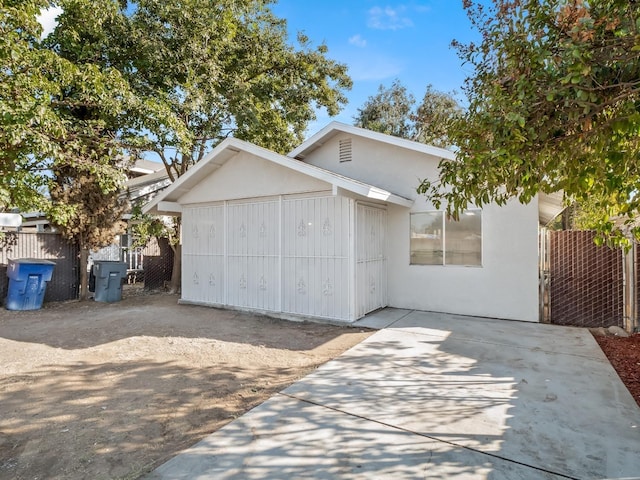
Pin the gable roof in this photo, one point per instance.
(549, 205)
(335, 128)
(231, 147)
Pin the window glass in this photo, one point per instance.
(463, 244)
(427, 238)
(436, 240)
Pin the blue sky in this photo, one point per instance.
(379, 42)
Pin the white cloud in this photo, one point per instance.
(48, 19)
(389, 18)
(358, 41)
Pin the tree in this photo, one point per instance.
(390, 111)
(393, 111)
(58, 148)
(86, 179)
(433, 117)
(29, 128)
(223, 68)
(85, 212)
(554, 105)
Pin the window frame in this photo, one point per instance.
(444, 239)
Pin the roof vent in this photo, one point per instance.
(345, 150)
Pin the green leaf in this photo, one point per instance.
(575, 88)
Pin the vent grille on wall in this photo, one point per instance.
(345, 150)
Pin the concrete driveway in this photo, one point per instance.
(437, 396)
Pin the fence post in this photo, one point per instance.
(630, 283)
(543, 275)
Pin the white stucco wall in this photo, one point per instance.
(247, 176)
(397, 169)
(506, 286)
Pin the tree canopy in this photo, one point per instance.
(171, 78)
(553, 106)
(393, 111)
(389, 111)
(223, 69)
(39, 125)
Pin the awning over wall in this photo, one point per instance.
(550, 205)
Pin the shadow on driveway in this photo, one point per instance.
(438, 396)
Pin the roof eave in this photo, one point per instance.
(230, 147)
(321, 137)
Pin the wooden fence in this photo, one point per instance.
(48, 246)
(156, 262)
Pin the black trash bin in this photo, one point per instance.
(28, 279)
(109, 275)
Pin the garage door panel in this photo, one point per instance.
(203, 279)
(254, 228)
(316, 227)
(203, 230)
(316, 287)
(253, 282)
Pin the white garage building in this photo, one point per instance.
(336, 230)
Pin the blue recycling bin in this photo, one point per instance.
(28, 279)
(108, 275)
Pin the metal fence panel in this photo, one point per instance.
(157, 263)
(587, 281)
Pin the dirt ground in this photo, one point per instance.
(111, 391)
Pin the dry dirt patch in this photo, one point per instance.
(103, 391)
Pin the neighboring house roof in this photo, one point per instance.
(145, 178)
(145, 167)
(10, 219)
(165, 202)
(145, 185)
(335, 128)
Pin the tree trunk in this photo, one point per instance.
(568, 215)
(176, 273)
(84, 278)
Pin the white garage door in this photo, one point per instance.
(287, 255)
(253, 244)
(315, 257)
(371, 259)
